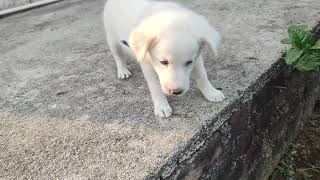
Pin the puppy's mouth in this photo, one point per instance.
(173, 93)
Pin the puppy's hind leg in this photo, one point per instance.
(120, 58)
(199, 74)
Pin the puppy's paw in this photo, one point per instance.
(123, 73)
(214, 95)
(163, 110)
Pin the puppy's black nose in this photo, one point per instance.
(176, 91)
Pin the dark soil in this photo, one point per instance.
(303, 157)
(308, 142)
(308, 145)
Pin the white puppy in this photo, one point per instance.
(166, 39)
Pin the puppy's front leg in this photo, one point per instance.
(199, 74)
(161, 105)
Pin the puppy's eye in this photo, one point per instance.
(189, 63)
(164, 62)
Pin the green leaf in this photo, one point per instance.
(286, 40)
(300, 38)
(292, 55)
(308, 61)
(317, 45)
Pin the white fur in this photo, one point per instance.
(161, 31)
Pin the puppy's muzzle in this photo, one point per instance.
(176, 91)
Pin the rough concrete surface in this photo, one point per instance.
(5, 4)
(64, 114)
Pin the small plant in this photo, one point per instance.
(307, 173)
(286, 167)
(304, 54)
(317, 164)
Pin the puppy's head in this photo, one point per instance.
(173, 50)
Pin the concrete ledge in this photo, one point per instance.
(26, 7)
(64, 114)
(251, 142)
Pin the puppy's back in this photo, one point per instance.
(122, 15)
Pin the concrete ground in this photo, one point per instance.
(64, 114)
(6, 4)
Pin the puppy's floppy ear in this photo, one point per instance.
(208, 36)
(141, 44)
